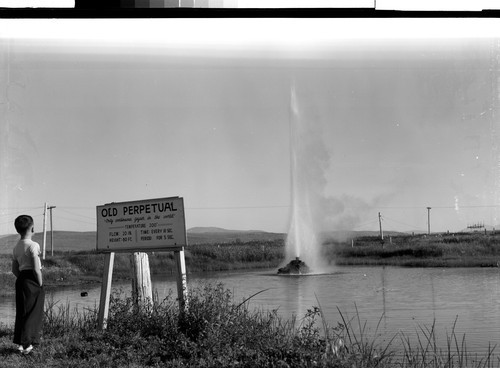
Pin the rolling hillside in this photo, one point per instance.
(75, 241)
(63, 240)
(200, 235)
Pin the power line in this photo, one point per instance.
(11, 221)
(76, 214)
(402, 223)
(472, 206)
(234, 207)
(17, 210)
(7, 222)
(74, 220)
(365, 223)
(188, 208)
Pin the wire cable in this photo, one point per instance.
(74, 220)
(76, 214)
(364, 224)
(402, 223)
(234, 207)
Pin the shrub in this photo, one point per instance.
(215, 331)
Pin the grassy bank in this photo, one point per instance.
(436, 250)
(71, 268)
(217, 331)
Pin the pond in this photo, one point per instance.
(397, 300)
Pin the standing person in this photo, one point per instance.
(30, 296)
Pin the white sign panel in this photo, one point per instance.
(153, 224)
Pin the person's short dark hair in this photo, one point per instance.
(23, 223)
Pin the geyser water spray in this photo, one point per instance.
(307, 158)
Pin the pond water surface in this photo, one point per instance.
(396, 299)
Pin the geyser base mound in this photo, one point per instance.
(295, 267)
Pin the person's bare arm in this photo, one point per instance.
(37, 268)
(15, 267)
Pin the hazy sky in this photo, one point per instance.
(393, 121)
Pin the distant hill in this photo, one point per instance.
(76, 241)
(205, 230)
(204, 235)
(344, 235)
(63, 240)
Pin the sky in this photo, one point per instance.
(392, 120)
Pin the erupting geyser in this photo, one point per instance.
(307, 159)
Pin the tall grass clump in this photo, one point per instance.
(436, 250)
(235, 255)
(214, 331)
(426, 352)
(61, 318)
(217, 331)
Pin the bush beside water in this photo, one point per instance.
(437, 250)
(70, 267)
(217, 331)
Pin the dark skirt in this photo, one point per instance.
(30, 298)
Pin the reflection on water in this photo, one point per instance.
(399, 299)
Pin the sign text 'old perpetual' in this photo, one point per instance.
(149, 224)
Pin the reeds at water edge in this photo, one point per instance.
(218, 331)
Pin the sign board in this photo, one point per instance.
(155, 224)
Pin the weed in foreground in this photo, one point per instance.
(426, 352)
(60, 319)
(215, 331)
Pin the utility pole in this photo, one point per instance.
(44, 229)
(51, 232)
(429, 220)
(380, 226)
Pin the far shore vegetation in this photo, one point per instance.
(480, 249)
(72, 267)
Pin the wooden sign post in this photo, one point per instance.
(106, 290)
(142, 292)
(181, 278)
(137, 227)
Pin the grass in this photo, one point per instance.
(437, 250)
(228, 256)
(71, 268)
(217, 331)
(427, 353)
